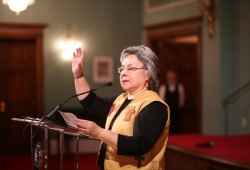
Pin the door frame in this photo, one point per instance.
(178, 29)
(29, 32)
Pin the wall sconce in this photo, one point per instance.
(18, 5)
(207, 9)
(68, 46)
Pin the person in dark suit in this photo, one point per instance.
(173, 93)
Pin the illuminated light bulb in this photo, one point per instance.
(68, 47)
(18, 5)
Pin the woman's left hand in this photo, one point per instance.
(88, 127)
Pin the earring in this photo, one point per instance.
(147, 84)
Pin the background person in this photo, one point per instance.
(173, 93)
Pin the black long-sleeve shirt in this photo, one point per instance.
(147, 128)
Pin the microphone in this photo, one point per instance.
(61, 104)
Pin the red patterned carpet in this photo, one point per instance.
(23, 162)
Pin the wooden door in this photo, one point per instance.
(20, 87)
(178, 47)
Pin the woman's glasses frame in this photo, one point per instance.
(129, 69)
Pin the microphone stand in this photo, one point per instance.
(61, 104)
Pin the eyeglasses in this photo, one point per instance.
(129, 69)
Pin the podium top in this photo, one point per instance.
(53, 126)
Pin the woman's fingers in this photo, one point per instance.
(81, 123)
(88, 127)
(78, 53)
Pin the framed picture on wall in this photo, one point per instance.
(103, 69)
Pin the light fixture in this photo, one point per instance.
(18, 5)
(68, 46)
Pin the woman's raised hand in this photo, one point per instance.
(77, 63)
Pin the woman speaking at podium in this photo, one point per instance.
(137, 121)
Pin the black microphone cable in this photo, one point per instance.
(31, 121)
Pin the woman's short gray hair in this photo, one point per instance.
(149, 61)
